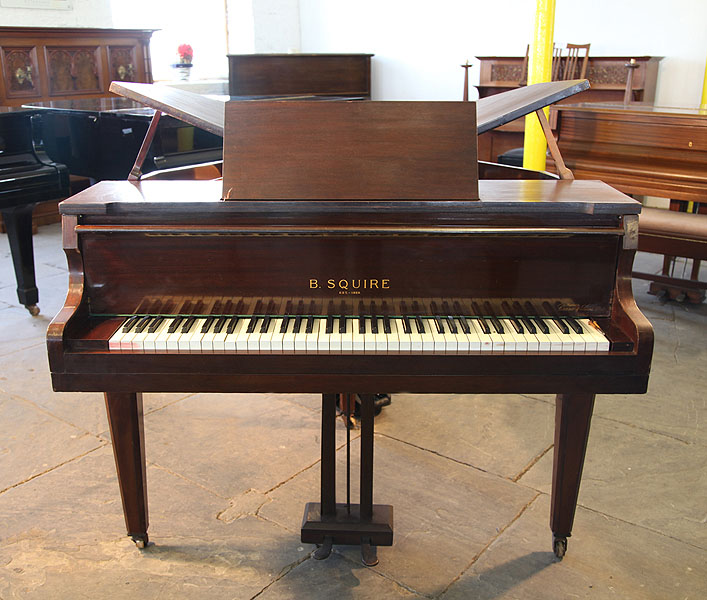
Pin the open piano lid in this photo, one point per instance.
(349, 150)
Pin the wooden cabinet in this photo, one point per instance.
(607, 78)
(41, 64)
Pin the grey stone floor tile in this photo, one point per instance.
(20, 330)
(640, 477)
(67, 540)
(606, 559)
(25, 374)
(335, 577)
(230, 443)
(33, 442)
(444, 512)
(479, 430)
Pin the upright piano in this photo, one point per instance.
(27, 177)
(349, 250)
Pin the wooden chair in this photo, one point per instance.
(572, 68)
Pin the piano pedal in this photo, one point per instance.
(351, 422)
(324, 550)
(369, 553)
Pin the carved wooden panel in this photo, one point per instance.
(122, 63)
(73, 70)
(20, 72)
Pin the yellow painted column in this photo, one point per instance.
(539, 70)
(703, 103)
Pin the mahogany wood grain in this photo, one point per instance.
(638, 149)
(320, 74)
(125, 417)
(340, 150)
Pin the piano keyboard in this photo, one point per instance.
(262, 334)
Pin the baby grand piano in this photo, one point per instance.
(350, 250)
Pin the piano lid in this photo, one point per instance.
(499, 109)
(206, 112)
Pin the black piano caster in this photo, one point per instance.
(559, 546)
(369, 553)
(33, 309)
(140, 540)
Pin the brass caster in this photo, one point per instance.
(33, 309)
(559, 546)
(140, 540)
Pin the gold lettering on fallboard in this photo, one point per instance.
(351, 284)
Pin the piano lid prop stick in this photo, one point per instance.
(136, 171)
(562, 170)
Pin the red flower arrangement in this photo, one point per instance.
(186, 53)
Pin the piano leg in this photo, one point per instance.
(18, 222)
(127, 432)
(573, 413)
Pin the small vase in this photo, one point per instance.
(183, 70)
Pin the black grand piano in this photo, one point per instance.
(27, 177)
(349, 250)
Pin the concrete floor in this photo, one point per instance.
(468, 476)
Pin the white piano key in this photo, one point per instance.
(428, 340)
(347, 343)
(521, 344)
(335, 338)
(114, 340)
(265, 341)
(276, 339)
(380, 338)
(393, 338)
(603, 344)
(195, 335)
(231, 341)
(324, 338)
(565, 338)
(301, 337)
(358, 338)
(288, 338)
(150, 343)
(312, 339)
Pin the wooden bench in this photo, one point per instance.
(672, 234)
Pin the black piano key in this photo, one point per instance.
(374, 324)
(516, 324)
(156, 322)
(258, 308)
(175, 324)
(576, 327)
(207, 324)
(528, 325)
(310, 324)
(386, 324)
(220, 322)
(406, 325)
(142, 324)
(484, 325)
(342, 324)
(198, 308)
(188, 324)
(439, 324)
(265, 324)
(541, 325)
(562, 325)
(497, 325)
(329, 325)
(185, 308)
(298, 324)
(232, 322)
(464, 324)
(216, 308)
(362, 324)
(420, 324)
(452, 325)
(252, 324)
(130, 323)
(285, 323)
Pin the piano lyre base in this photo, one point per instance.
(347, 529)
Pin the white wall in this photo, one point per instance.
(419, 44)
(83, 13)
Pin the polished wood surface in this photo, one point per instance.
(298, 74)
(637, 148)
(350, 150)
(51, 63)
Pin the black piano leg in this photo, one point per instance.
(126, 430)
(573, 412)
(18, 222)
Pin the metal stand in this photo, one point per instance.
(328, 522)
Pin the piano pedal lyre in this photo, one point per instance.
(327, 522)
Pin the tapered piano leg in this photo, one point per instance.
(573, 413)
(18, 223)
(127, 432)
